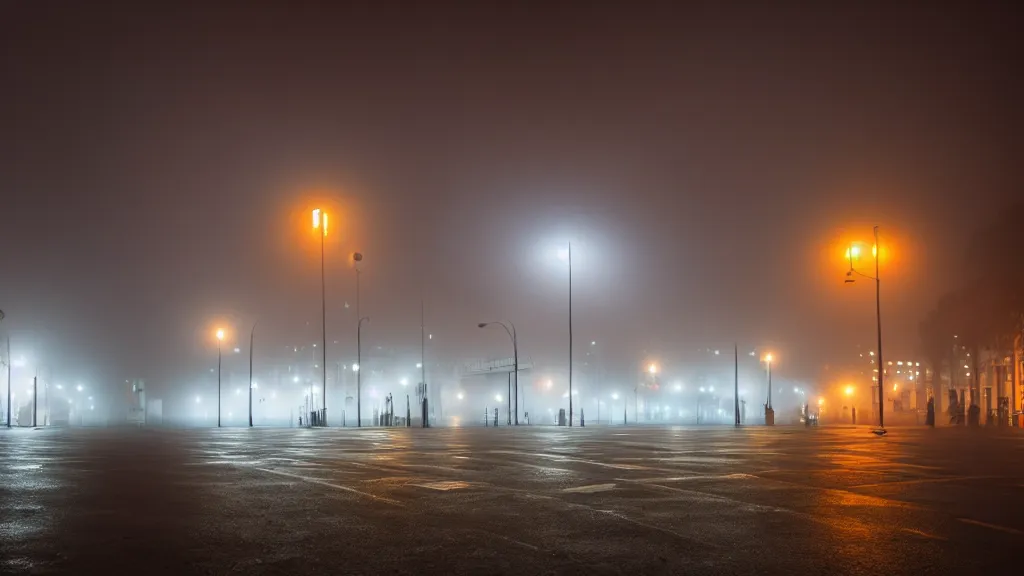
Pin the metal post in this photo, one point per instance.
(356, 257)
(323, 321)
(515, 366)
(570, 334)
(9, 362)
(769, 384)
(252, 340)
(218, 382)
(35, 398)
(423, 365)
(359, 372)
(508, 398)
(736, 384)
(878, 315)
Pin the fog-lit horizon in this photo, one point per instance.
(158, 169)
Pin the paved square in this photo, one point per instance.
(601, 500)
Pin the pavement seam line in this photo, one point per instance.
(332, 485)
(992, 526)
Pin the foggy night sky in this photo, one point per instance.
(156, 165)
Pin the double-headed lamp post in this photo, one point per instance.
(320, 223)
(220, 339)
(852, 253)
(515, 358)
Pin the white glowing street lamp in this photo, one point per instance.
(220, 339)
(567, 256)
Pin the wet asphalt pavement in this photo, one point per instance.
(504, 501)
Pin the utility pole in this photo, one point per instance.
(9, 362)
(636, 404)
(359, 371)
(509, 397)
(736, 384)
(323, 323)
(356, 259)
(35, 397)
(878, 316)
(218, 382)
(423, 369)
(876, 251)
(570, 334)
(252, 340)
(515, 360)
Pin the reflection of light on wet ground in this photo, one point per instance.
(26, 467)
(443, 485)
(590, 489)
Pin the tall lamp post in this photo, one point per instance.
(736, 384)
(8, 375)
(252, 342)
(515, 361)
(318, 215)
(852, 253)
(356, 259)
(359, 371)
(220, 339)
(569, 258)
(9, 362)
(769, 412)
(425, 405)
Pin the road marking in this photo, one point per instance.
(330, 485)
(735, 476)
(443, 485)
(923, 534)
(514, 464)
(591, 488)
(511, 540)
(925, 481)
(992, 526)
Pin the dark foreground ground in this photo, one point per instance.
(504, 501)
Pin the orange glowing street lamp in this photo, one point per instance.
(220, 338)
(769, 412)
(320, 223)
(853, 253)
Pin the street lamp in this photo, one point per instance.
(852, 253)
(359, 373)
(769, 412)
(515, 361)
(317, 217)
(252, 341)
(220, 339)
(9, 362)
(568, 259)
